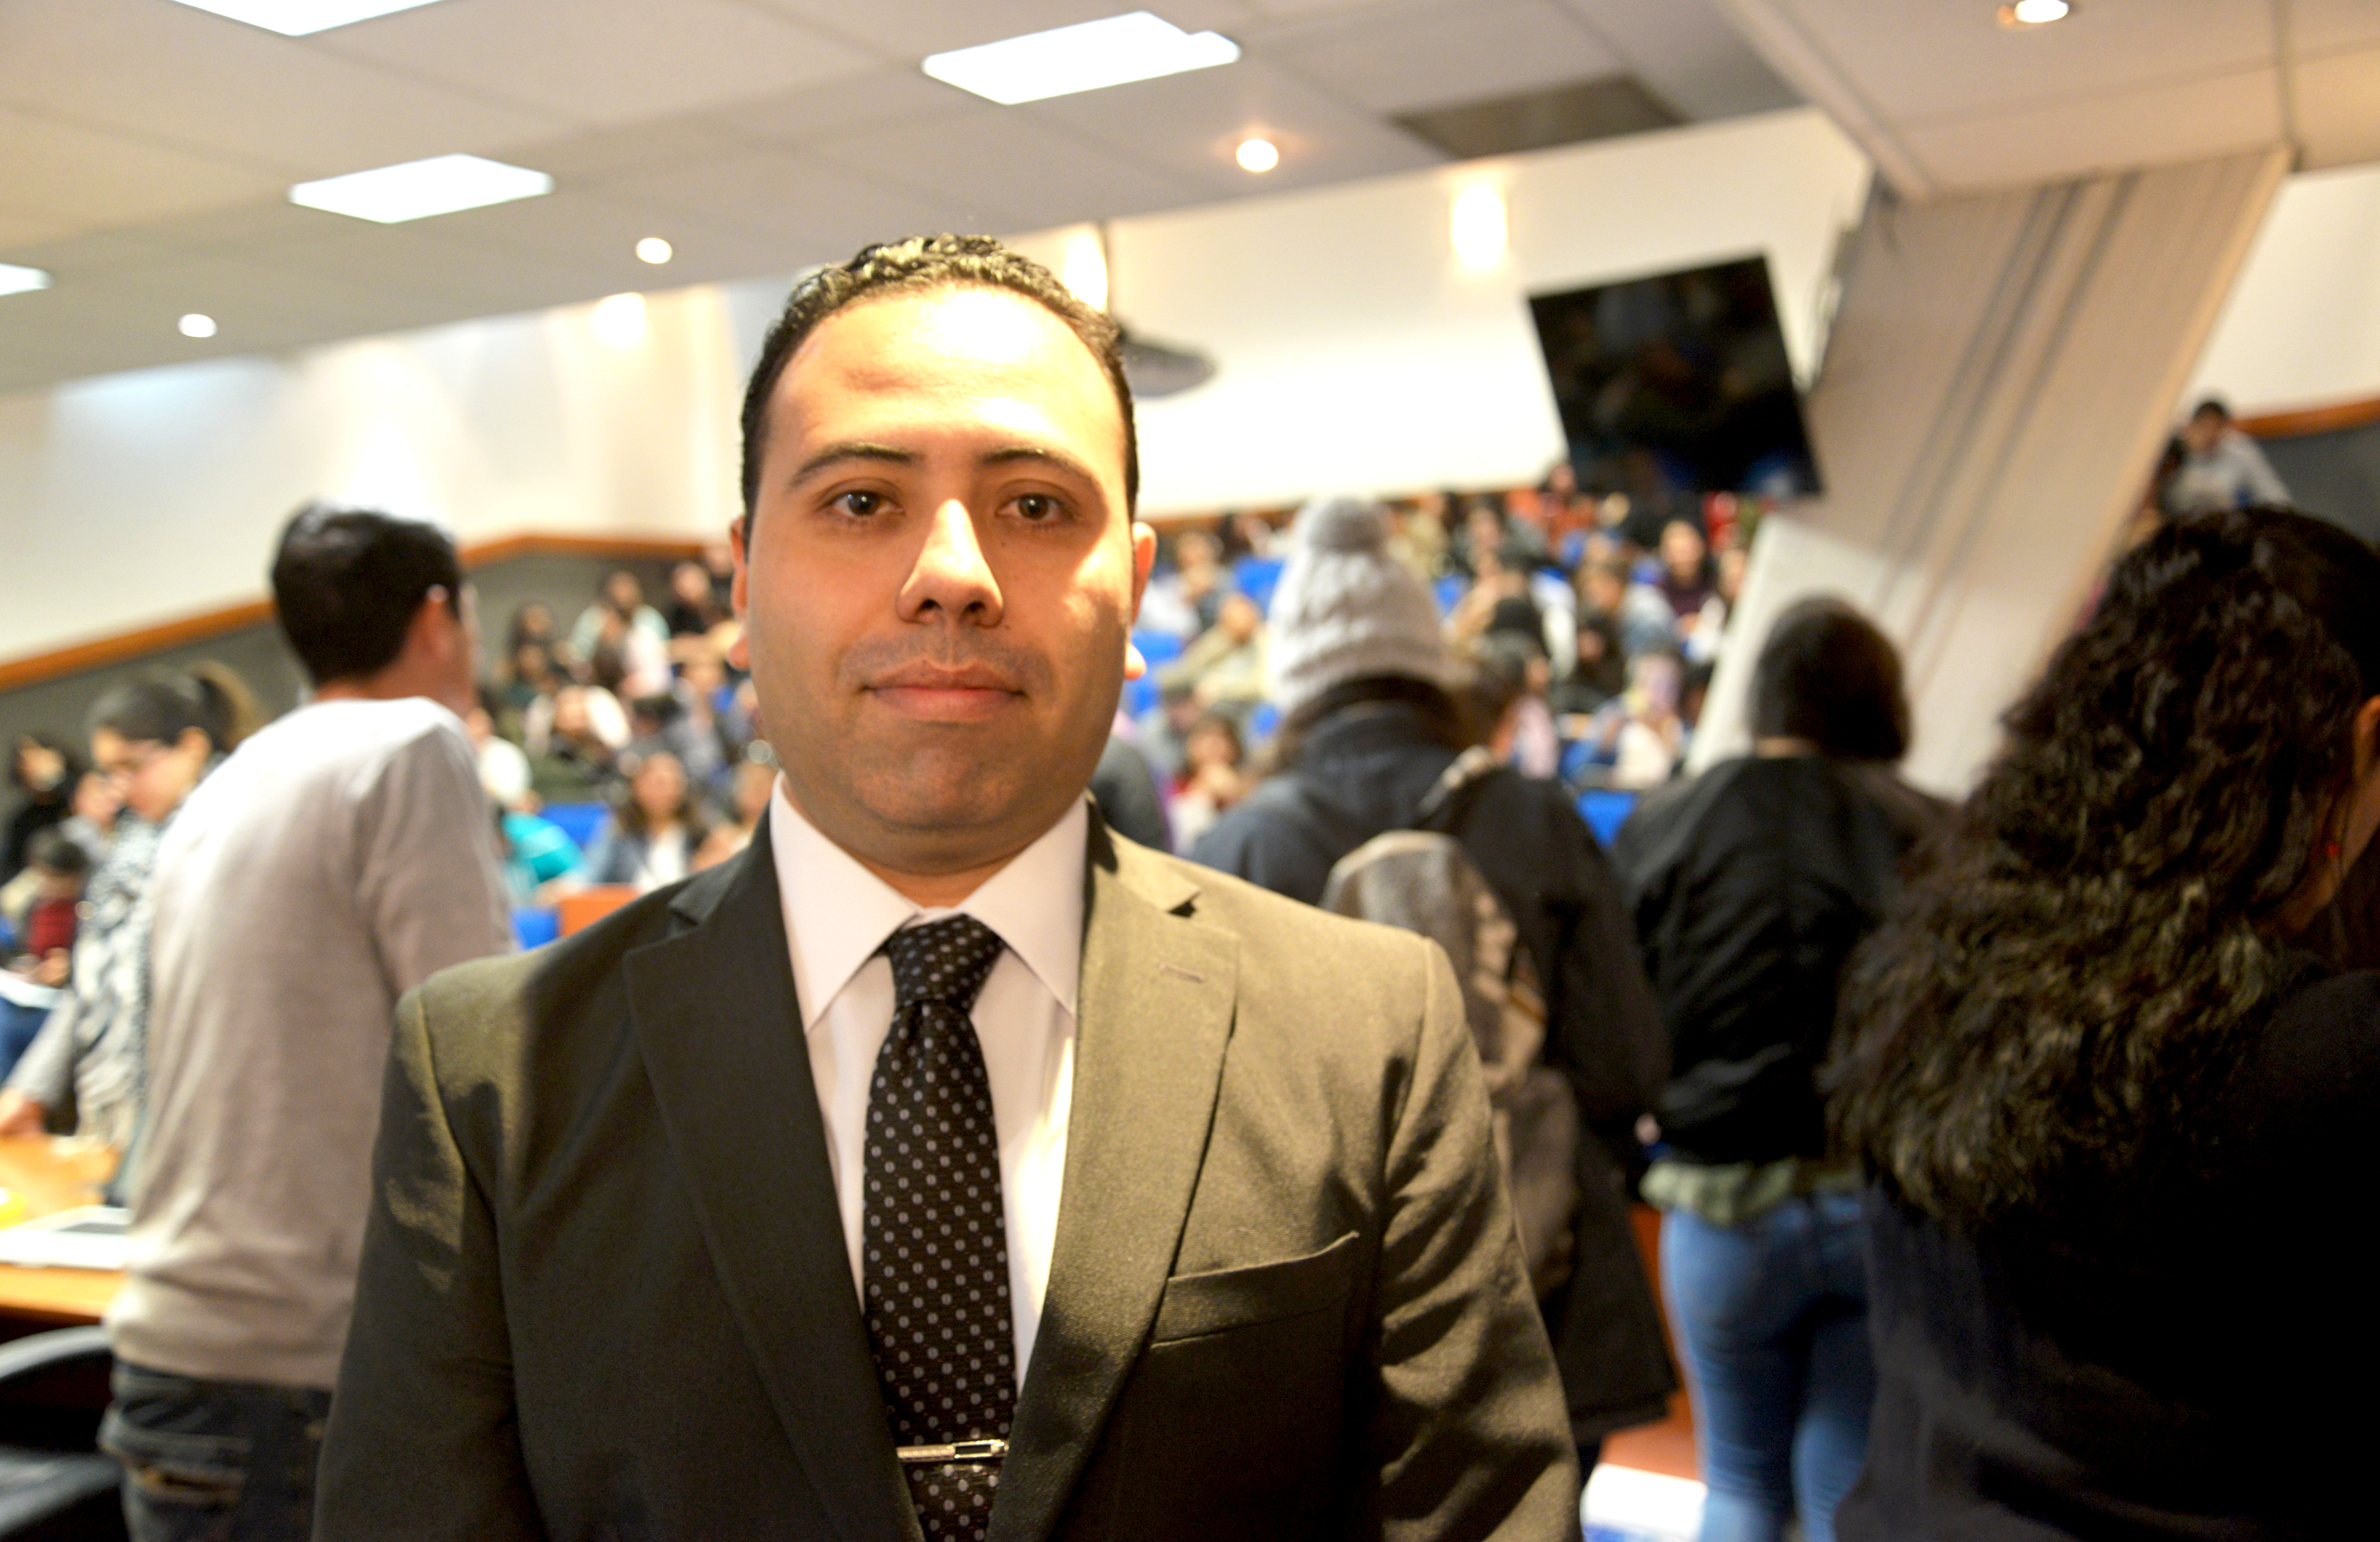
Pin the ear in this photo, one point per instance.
(2367, 738)
(739, 596)
(1144, 557)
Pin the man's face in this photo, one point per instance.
(941, 577)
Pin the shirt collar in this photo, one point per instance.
(837, 913)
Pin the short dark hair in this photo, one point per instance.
(2213, 407)
(346, 583)
(1828, 676)
(54, 850)
(913, 265)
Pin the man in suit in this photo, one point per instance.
(943, 1166)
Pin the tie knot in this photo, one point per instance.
(943, 961)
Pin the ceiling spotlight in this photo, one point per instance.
(1258, 155)
(1479, 226)
(15, 280)
(196, 325)
(653, 249)
(2035, 13)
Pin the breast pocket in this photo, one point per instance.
(1233, 1415)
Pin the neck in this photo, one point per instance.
(1782, 746)
(390, 685)
(941, 889)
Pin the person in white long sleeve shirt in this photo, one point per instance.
(339, 858)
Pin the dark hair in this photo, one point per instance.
(347, 584)
(1828, 676)
(911, 266)
(2094, 945)
(2212, 407)
(54, 850)
(630, 813)
(159, 707)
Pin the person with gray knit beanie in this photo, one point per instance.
(1361, 672)
(1346, 609)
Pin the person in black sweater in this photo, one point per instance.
(1749, 886)
(2118, 1118)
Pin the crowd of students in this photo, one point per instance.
(2178, 808)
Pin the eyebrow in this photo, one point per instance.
(833, 455)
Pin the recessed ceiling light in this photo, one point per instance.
(1084, 269)
(654, 250)
(415, 190)
(2035, 13)
(1085, 56)
(15, 280)
(196, 326)
(1258, 155)
(295, 18)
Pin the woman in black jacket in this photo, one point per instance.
(2119, 1121)
(1750, 886)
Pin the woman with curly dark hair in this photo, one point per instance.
(2119, 1120)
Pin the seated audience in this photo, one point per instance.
(1636, 611)
(569, 760)
(2116, 1114)
(1504, 695)
(1211, 779)
(1749, 884)
(2221, 467)
(694, 607)
(154, 737)
(92, 824)
(32, 981)
(503, 767)
(621, 625)
(1225, 667)
(1187, 600)
(654, 830)
(44, 771)
(1360, 671)
(1648, 737)
(749, 789)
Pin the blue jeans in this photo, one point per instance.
(214, 1461)
(1772, 1315)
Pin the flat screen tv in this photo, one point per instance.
(1677, 386)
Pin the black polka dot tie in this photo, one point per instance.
(935, 1238)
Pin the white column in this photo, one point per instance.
(2000, 377)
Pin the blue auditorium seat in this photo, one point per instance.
(1605, 809)
(1256, 576)
(579, 820)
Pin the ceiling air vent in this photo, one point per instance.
(1597, 109)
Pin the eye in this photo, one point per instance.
(1038, 508)
(859, 503)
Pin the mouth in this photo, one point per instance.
(946, 694)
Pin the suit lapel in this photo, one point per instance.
(1156, 1005)
(722, 1041)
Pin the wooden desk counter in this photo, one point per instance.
(50, 1177)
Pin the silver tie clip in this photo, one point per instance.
(966, 1451)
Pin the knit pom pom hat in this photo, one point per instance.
(1344, 608)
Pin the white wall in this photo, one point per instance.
(2301, 327)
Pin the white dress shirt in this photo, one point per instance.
(837, 913)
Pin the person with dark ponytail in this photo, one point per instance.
(154, 736)
(2117, 1115)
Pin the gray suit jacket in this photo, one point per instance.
(605, 1292)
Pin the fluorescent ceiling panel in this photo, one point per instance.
(1085, 56)
(295, 18)
(15, 280)
(417, 189)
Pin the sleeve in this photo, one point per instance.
(45, 1071)
(424, 1441)
(433, 879)
(2265, 485)
(1608, 1037)
(1468, 1434)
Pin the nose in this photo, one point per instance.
(951, 572)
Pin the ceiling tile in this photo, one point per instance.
(98, 180)
(179, 76)
(902, 91)
(2322, 25)
(2338, 108)
(2181, 122)
(589, 157)
(907, 31)
(1946, 61)
(1007, 172)
(1193, 123)
(805, 209)
(19, 230)
(1687, 54)
(600, 61)
(1445, 52)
